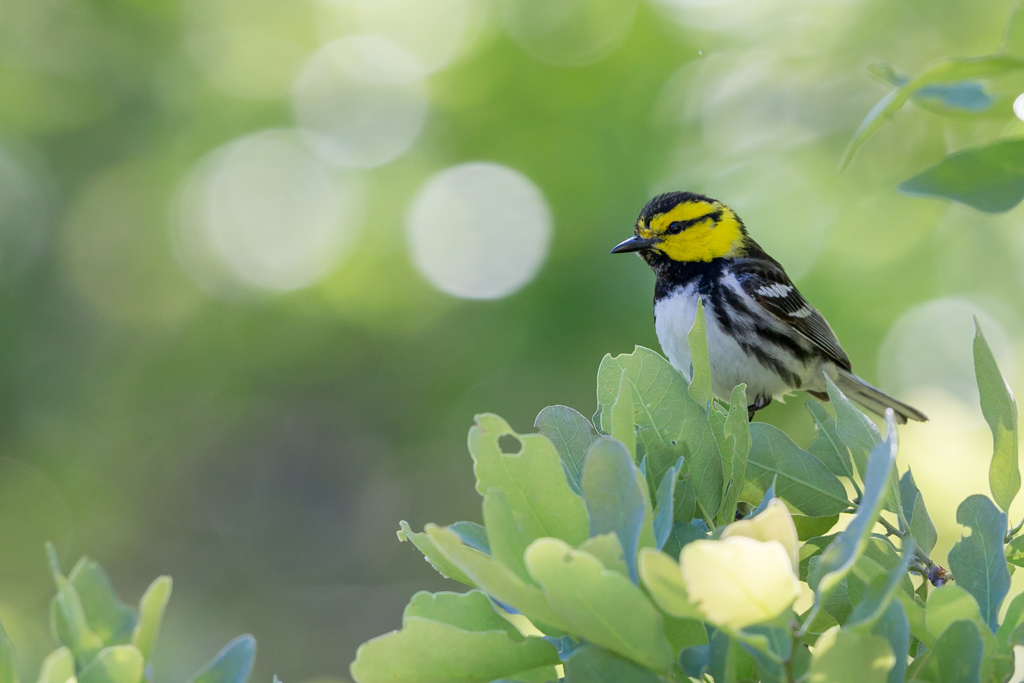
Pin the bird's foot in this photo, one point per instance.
(759, 403)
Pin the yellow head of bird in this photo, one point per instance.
(686, 227)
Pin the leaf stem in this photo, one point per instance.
(1014, 531)
(890, 530)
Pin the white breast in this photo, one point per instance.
(730, 364)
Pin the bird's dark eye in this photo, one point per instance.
(674, 228)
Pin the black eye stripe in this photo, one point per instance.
(676, 227)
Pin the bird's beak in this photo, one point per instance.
(634, 243)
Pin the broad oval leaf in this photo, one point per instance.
(977, 561)
(427, 651)
(916, 514)
(600, 605)
(663, 579)
(472, 611)
(591, 664)
(988, 178)
(847, 656)
(614, 496)
(571, 433)
(532, 480)
(800, 478)
(738, 582)
(58, 666)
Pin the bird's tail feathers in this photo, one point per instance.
(876, 400)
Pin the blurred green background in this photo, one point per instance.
(251, 296)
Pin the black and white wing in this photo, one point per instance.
(766, 283)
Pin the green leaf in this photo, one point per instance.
(233, 664)
(622, 427)
(572, 434)
(434, 556)
(957, 655)
(473, 535)
(813, 527)
(599, 605)
(681, 534)
(108, 617)
(846, 656)
(988, 178)
(894, 627)
(663, 518)
(977, 561)
(1000, 411)
(506, 539)
(533, 480)
(949, 605)
(700, 363)
(117, 664)
(607, 549)
(921, 527)
(801, 479)
(1011, 621)
(945, 71)
(839, 558)
(853, 427)
(151, 613)
(494, 578)
(427, 651)
(614, 496)
(670, 423)
(966, 96)
(826, 445)
(58, 666)
(8, 671)
(881, 590)
(68, 617)
(735, 453)
(664, 581)
(591, 664)
(472, 611)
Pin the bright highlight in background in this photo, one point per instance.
(479, 230)
(361, 100)
(268, 210)
(1018, 106)
(568, 32)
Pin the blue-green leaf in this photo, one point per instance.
(233, 664)
(1000, 411)
(591, 664)
(572, 434)
(826, 445)
(614, 499)
(988, 178)
(838, 559)
(801, 479)
(895, 628)
(881, 590)
(735, 453)
(977, 560)
(853, 427)
(914, 511)
(665, 509)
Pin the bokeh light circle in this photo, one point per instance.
(930, 345)
(361, 100)
(568, 32)
(479, 230)
(1018, 106)
(267, 211)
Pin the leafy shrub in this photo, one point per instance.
(670, 540)
(104, 640)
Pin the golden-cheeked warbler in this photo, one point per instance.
(761, 331)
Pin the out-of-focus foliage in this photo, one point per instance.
(243, 326)
(717, 599)
(103, 640)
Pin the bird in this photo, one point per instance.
(761, 331)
